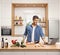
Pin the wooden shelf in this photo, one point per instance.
(42, 22)
(43, 26)
(30, 5)
(18, 20)
(22, 25)
(18, 25)
(18, 35)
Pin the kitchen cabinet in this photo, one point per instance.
(1, 53)
(11, 53)
(31, 50)
(30, 53)
(53, 53)
(36, 53)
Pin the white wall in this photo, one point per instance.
(5, 5)
(27, 14)
(53, 10)
(53, 14)
(29, 1)
(0, 17)
(6, 13)
(59, 20)
(6, 9)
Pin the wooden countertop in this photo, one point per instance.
(33, 47)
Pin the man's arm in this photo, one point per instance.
(42, 35)
(44, 40)
(25, 34)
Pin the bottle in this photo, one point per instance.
(2, 43)
(43, 19)
(6, 43)
(17, 18)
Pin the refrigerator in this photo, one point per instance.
(53, 29)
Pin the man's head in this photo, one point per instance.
(35, 20)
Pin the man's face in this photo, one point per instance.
(35, 21)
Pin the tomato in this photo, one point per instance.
(13, 41)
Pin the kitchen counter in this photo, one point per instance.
(33, 47)
(31, 50)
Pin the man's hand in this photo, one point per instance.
(45, 42)
(23, 39)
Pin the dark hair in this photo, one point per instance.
(35, 17)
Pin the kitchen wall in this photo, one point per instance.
(6, 9)
(6, 13)
(53, 10)
(59, 20)
(5, 20)
(0, 17)
(27, 14)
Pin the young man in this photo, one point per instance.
(34, 31)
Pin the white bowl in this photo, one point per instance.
(57, 44)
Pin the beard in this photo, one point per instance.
(34, 24)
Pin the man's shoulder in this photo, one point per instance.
(28, 26)
(38, 26)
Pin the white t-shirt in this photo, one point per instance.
(33, 33)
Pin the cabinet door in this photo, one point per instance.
(53, 29)
(53, 53)
(1, 53)
(36, 53)
(12, 53)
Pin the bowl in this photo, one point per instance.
(57, 44)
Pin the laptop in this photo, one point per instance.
(52, 42)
